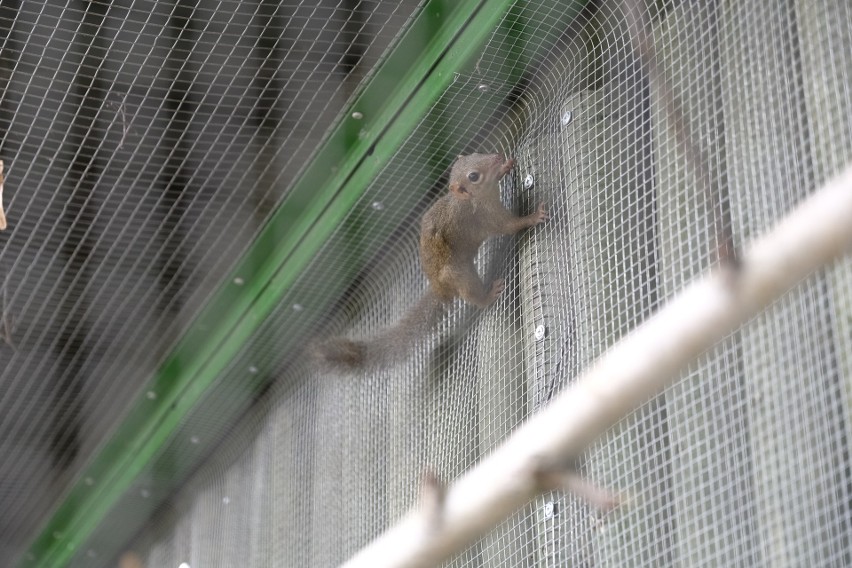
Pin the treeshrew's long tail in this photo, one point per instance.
(390, 345)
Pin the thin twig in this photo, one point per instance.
(662, 88)
(563, 476)
(432, 495)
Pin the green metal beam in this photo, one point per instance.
(443, 38)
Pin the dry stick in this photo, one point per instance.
(818, 232)
(673, 109)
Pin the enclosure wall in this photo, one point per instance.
(744, 461)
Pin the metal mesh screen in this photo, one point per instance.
(145, 148)
(145, 144)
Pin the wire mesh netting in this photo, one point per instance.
(147, 143)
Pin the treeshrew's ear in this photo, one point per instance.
(459, 190)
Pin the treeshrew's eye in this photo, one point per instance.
(473, 176)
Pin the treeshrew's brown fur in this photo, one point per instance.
(451, 232)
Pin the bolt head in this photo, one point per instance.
(550, 510)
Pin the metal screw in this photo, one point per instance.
(253, 370)
(239, 281)
(566, 117)
(529, 181)
(226, 500)
(540, 332)
(378, 205)
(297, 307)
(550, 510)
(194, 440)
(357, 115)
(484, 88)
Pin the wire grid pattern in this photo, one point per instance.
(145, 144)
(743, 462)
